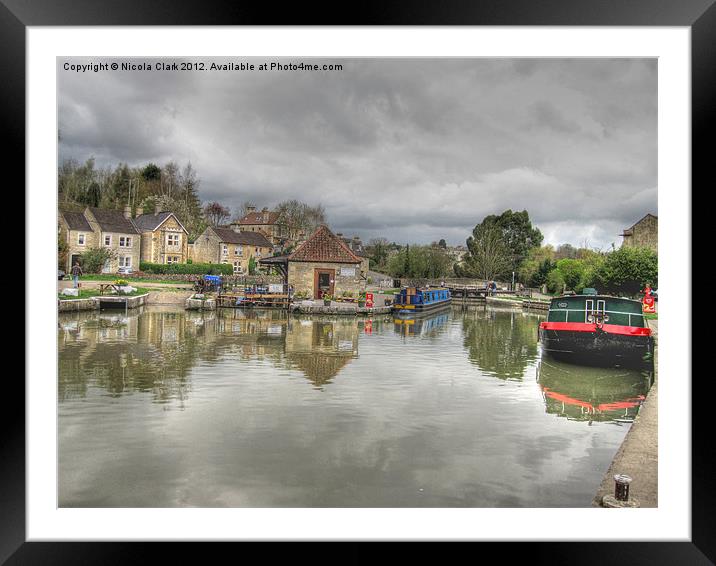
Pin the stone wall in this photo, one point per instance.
(644, 234)
(301, 275)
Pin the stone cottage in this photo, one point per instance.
(324, 264)
(115, 231)
(643, 234)
(224, 245)
(164, 238)
(76, 232)
(98, 227)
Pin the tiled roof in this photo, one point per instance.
(76, 221)
(150, 222)
(113, 221)
(324, 245)
(267, 217)
(246, 238)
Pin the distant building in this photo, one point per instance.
(324, 264)
(224, 245)
(265, 221)
(643, 234)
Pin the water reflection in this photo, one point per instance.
(421, 325)
(155, 351)
(501, 342)
(591, 393)
(257, 408)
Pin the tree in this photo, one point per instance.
(488, 256)
(442, 243)
(572, 271)
(377, 250)
(627, 270)
(518, 234)
(299, 217)
(252, 265)
(216, 214)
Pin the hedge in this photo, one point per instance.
(187, 268)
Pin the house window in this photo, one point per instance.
(224, 249)
(125, 261)
(80, 239)
(125, 241)
(172, 259)
(172, 239)
(108, 239)
(239, 251)
(238, 268)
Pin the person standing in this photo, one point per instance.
(76, 272)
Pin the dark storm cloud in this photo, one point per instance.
(410, 149)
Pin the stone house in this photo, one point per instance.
(265, 222)
(76, 232)
(98, 227)
(224, 245)
(164, 238)
(114, 230)
(643, 234)
(324, 264)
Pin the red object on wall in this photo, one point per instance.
(647, 303)
(369, 300)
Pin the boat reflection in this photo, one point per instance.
(592, 393)
(421, 324)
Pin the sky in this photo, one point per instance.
(413, 150)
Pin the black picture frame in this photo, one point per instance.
(698, 15)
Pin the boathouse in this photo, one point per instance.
(324, 264)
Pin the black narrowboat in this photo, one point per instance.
(597, 329)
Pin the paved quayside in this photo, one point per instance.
(638, 455)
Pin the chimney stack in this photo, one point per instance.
(140, 211)
(339, 234)
(250, 209)
(128, 212)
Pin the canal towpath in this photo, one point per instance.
(637, 457)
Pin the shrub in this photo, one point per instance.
(572, 271)
(627, 270)
(187, 268)
(555, 281)
(94, 259)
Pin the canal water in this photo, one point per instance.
(166, 408)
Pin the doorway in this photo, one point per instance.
(323, 282)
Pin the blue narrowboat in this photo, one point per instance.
(412, 300)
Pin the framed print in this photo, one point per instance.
(395, 275)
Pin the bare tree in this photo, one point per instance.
(216, 214)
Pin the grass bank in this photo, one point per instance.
(88, 293)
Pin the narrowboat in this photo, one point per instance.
(596, 329)
(412, 300)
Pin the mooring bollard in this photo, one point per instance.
(621, 493)
(621, 487)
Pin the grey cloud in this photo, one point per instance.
(410, 149)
